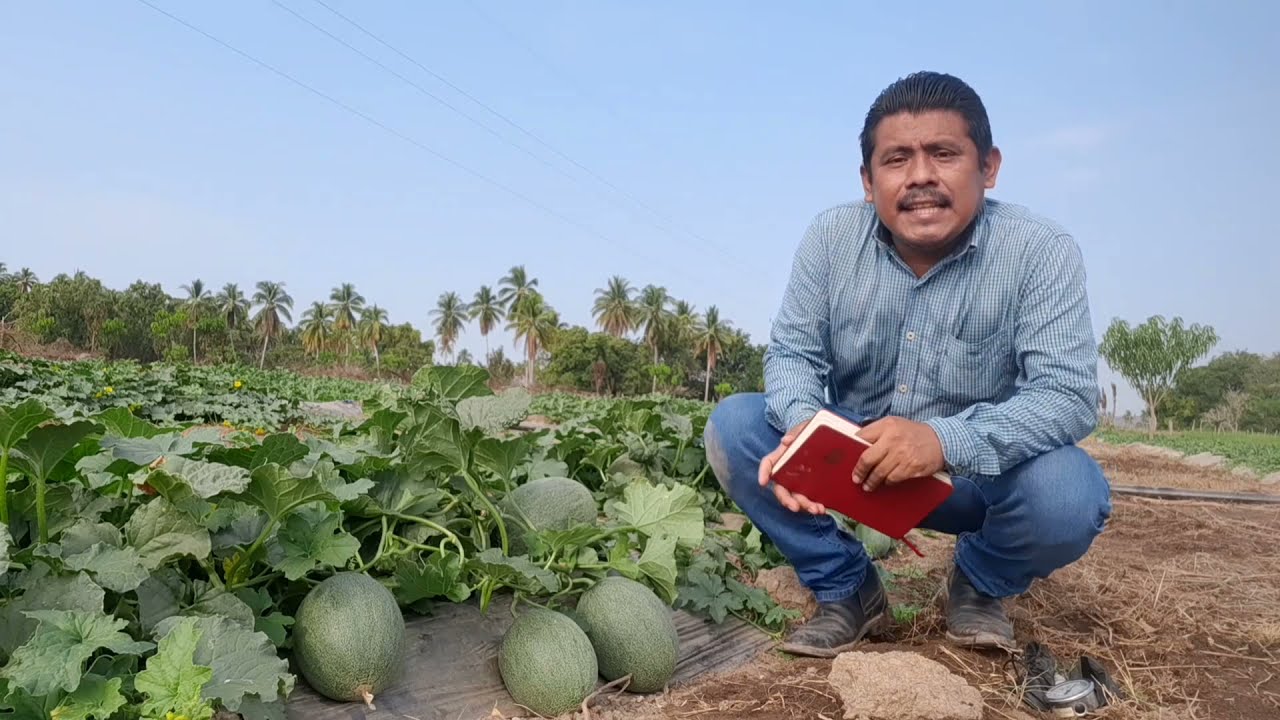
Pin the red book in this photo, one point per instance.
(819, 465)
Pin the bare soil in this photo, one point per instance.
(1180, 600)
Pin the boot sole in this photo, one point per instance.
(982, 641)
(877, 625)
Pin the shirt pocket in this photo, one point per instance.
(969, 371)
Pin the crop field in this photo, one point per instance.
(161, 526)
(1258, 451)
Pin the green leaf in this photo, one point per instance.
(5, 542)
(656, 510)
(494, 413)
(452, 383)
(276, 491)
(65, 592)
(53, 659)
(16, 422)
(207, 479)
(244, 661)
(44, 447)
(440, 576)
(143, 451)
(119, 569)
(311, 538)
(502, 457)
(120, 422)
(283, 449)
(158, 597)
(85, 534)
(172, 681)
(97, 698)
(516, 572)
(658, 564)
(159, 532)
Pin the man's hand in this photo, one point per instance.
(795, 502)
(900, 449)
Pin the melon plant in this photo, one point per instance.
(546, 662)
(550, 503)
(877, 544)
(632, 631)
(349, 638)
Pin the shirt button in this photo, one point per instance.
(911, 336)
(902, 388)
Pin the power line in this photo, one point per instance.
(412, 141)
(736, 257)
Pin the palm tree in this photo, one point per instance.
(347, 303)
(25, 278)
(652, 316)
(373, 320)
(276, 306)
(710, 336)
(197, 296)
(451, 315)
(516, 285)
(534, 321)
(488, 311)
(614, 309)
(233, 305)
(317, 322)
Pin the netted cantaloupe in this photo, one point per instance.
(633, 633)
(546, 662)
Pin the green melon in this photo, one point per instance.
(632, 631)
(550, 503)
(876, 543)
(349, 638)
(547, 663)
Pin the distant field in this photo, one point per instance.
(1260, 452)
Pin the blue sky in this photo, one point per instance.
(132, 147)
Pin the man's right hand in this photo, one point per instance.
(795, 502)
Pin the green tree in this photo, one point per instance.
(487, 310)
(317, 322)
(514, 287)
(614, 308)
(451, 316)
(652, 317)
(535, 322)
(197, 297)
(346, 305)
(1152, 355)
(276, 306)
(711, 334)
(373, 323)
(233, 306)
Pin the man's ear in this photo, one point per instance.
(866, 181)
(991, 167)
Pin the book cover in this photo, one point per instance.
(819, 465)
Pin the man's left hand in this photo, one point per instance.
(900, 449)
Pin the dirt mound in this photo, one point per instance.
(1161, 467)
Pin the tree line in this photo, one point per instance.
(1234, 391)
(645, 340)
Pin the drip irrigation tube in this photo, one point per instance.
(1178, 494)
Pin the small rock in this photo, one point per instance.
(901, 685)
(784, 586)
(1205, 460)
(1272, 479)
(733, 521)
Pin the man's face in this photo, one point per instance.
(926, 179)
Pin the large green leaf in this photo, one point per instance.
(172, 682)
(244, 662)
(278, 492)
(44, 447)
(97, 698)
(452, 383)
(657, 510)
(311, 538)
(159, 531)
(53, 659)
(63, 592)
(16, 422)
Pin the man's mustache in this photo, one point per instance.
(924, 196)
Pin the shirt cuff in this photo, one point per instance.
(960, 448)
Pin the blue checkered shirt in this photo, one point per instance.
(993, 347)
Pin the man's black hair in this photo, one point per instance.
(923, 91)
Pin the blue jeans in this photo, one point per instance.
(1037, 517)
